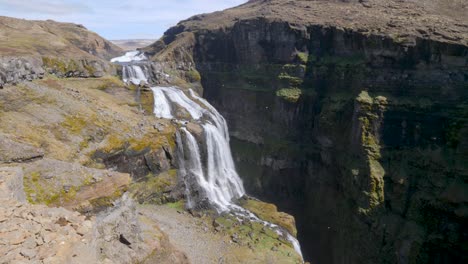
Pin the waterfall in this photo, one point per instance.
(162, 107)
(213, 178)
(204, 155)
(217, 180)
(130, 56)
(133, 74)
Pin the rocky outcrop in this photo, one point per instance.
(372, 95)
(39, 234)
(13, 70)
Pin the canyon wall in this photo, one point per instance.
(360, 135)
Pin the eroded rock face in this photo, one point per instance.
(354, 128)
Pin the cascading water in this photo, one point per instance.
(205, 160)
(219, 182)
(132, 72)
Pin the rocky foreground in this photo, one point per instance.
(40, 234)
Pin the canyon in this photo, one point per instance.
(354, 124)
(347, 119)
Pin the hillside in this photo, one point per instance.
(28, 49)
(19, 37)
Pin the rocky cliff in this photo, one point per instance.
(28, 49)
(351, 115)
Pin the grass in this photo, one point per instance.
(74, 124)
(179, 205)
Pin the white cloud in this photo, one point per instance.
(52, 7)
(116, 19)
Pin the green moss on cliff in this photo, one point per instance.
(290, 94)
(303, 57)
(269, 213)
(193, 76)
(155, 188)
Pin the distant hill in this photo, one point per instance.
(30, 48)
(49, 38)
(133, 44)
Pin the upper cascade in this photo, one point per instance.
(130, 57)
(131, 72)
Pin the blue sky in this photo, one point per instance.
(114, 19)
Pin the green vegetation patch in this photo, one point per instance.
(193, 76)
(289, 94)
(155, 189)
(303, 57)
(269, 212)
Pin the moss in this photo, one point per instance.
(74, 124)
(113, 143)
(193, 76)
(303, 57)
(155, 188)
(56, 64)
(90, 69)
(269, 213)
(147, 102)
(256, 236)
(289, 94)
(290, 80)
(39, 191)
(179, 205)
(106, 201)
(365, 98)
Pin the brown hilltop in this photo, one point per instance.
(19, 37)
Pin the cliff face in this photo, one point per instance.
(28, 49)
(353, 120)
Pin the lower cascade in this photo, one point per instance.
(205, 161)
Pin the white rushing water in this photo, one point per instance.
(133, 74)
(131, 71)
(130, 56)
(219, 180)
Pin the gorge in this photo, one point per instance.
(342, 123)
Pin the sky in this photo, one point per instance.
(115, 19)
